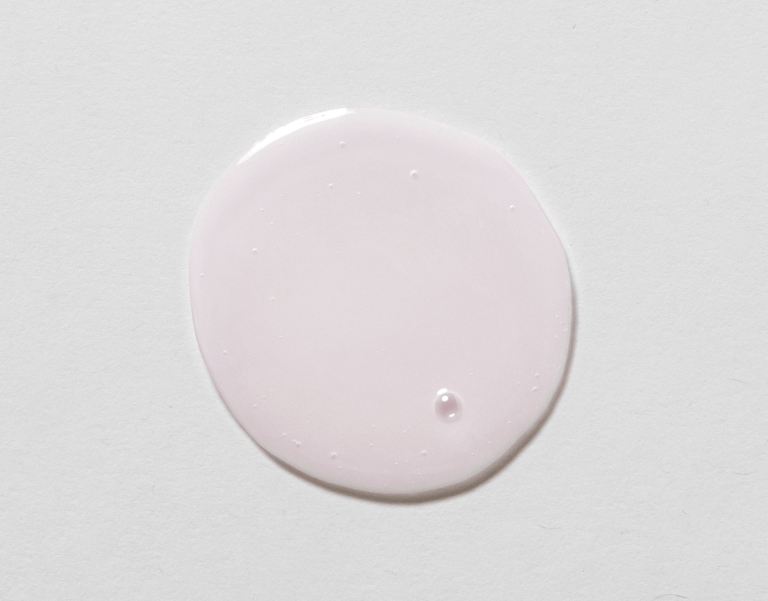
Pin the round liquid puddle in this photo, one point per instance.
(380, 300)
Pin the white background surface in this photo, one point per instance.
(641, 126)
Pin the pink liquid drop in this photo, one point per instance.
(399, 329)
(447, 405)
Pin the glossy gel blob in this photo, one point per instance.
(380, 301)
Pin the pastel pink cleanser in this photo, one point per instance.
(380, 301)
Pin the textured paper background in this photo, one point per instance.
(641, 126)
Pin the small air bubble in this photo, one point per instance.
(342, 144)
(511, 207)
(415, 174)
(333, 455)
(447, 405)
(254, 250)
(424, 453)
(330, 185)
(535, 388)
(225, 352)
(201, 274)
